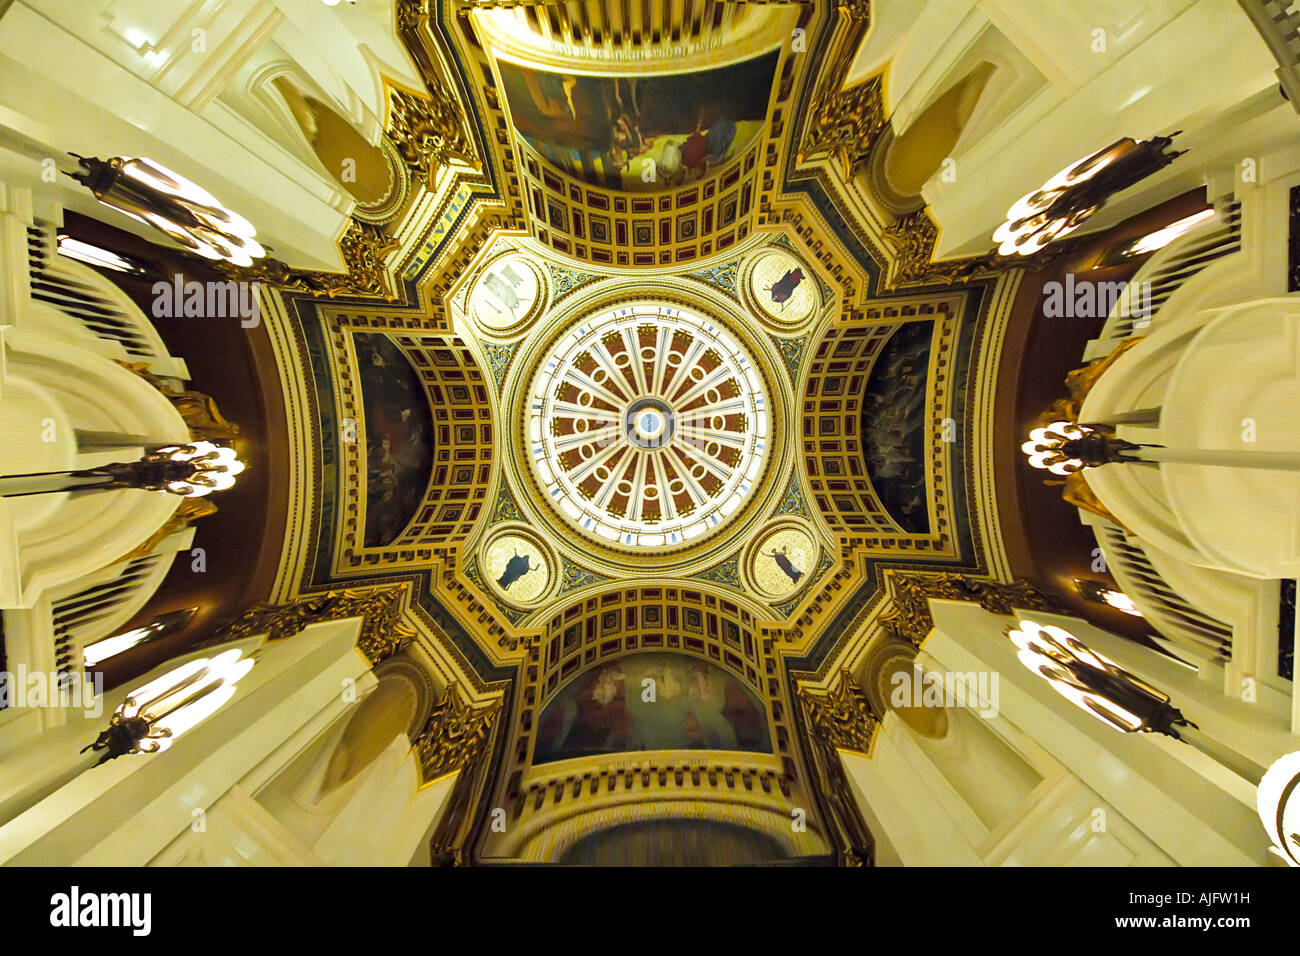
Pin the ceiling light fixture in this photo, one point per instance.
(1064, 202)
(158, 628)
(192, 471)
(1162, 237)
(153, 194)
(112, 646)
(95, 256)
(1093, 683)
(1066, 447)
(153, 716)
(1097, 592)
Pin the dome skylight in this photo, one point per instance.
(648, 425)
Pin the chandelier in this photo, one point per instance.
(1062, 204)
(1066, 447)
(192, 471)
(1093, 683)
(153, 716)
(153, 194)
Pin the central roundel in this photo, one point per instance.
(649, 422)
(647, 425)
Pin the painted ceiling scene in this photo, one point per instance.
(693, 432)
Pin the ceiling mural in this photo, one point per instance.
(398, 438)
(675, 843)
(670, 430)
(783, 288)
(784, 560)
(893, 425)
(639, 132)
(440, 383)
(507, 295)
(889, 427)
(652, 702)
(517, 565)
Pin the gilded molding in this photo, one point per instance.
(792, 503)
(498, 359)
(456, 739)
(913, 238)
(506, 509)
(792, 351)
(189, 511)
(910, 618)
(845, 123)
(382, 634)
(855, 11)
(564, 280)
(363, 247)
(455, 735)
(197, 409)
(410, 13)
(722, 277)
(841, 720)
(399, 192)
(573, 577)
(728, 573)
(843, 717)
(427, 131)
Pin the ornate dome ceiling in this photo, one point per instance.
(649, 414)
(697, 420)
(637, 385)
(647, 425)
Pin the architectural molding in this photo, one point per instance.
(455, 735)
(382, 634)
(911, 591)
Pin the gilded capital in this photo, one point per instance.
(455, 736)
(910, 618)
(842, 718)
(382, 635)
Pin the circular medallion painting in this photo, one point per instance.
(504, 295)
(783, 288)
(780, 563)
(516, 567)
(648, 425)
